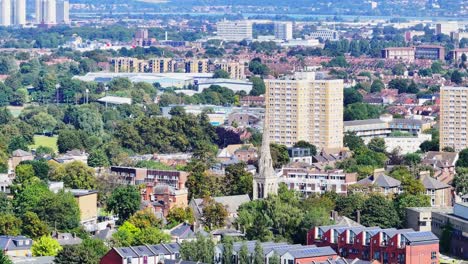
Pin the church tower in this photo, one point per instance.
(265, 182)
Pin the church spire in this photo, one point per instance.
(265, 182)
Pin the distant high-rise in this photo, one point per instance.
(283, 30)
(453, 126)
(19, 13)
(234, 30)
(303, 108)
(5, 13)
(46, 12)
(63, 12)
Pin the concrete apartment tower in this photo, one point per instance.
(283, 30)
(265, 182)
(300, 107)
(20, 12)
(453, 117)
(46, 12)
(63, 12)
(5, 13)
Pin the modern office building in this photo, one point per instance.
(234, 30)
(63, 12)
(399, 53)
(46, 12)
(5, 13)
(300, 107)
(430, 52)
(283, 30)
(325, 34)
(453, 117)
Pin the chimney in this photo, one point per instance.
(358, 216)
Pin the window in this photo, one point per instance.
(377, 255)
(433, 255)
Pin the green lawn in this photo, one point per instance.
(45, 141)
(15, 110)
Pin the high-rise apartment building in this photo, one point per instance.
(283, 30)
(303, 108)
(196, 66)
(162, 65)
(5, 12)
(234, 30)
(19, 12)
(235, 69)
(63, 12)
(46, 12)
(453, 117)
(12, 12)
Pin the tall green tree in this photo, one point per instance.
(279, 155)
(244, 254)
(124, 202)
(201, 249)
(227, 250)
(258, 86)
(75, 175)
(379, 211)
(214, 214)
(237, 180)
(377, 144)
(10, 225)
(33, 227)
(258, 257)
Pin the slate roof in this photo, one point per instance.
(149, 250)
(431, 183)
(21, 153)
(183, 231)
(163, 189)
(11, 243)
(231, 203)
(310, 252)
(380, 180)
(440, 159)
(363, 122)
(415, 237)
(105, 234)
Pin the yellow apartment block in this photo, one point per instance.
(453, 117)
(196, 66)
(303, 108)
(87, 202)
(162, 65)
(236, 70)
(128, 65)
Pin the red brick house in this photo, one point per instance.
(392, 246)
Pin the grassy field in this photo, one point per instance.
(15, 110)
(45, 141)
